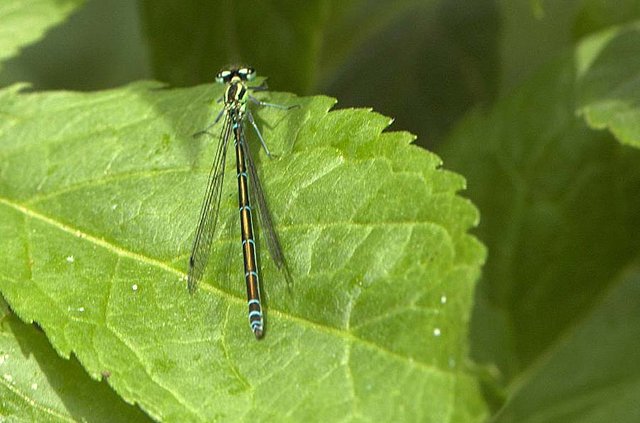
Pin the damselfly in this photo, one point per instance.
(235, 99)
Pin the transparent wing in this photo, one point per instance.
(264, 216)
(209, 212)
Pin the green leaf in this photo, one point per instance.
(99, 196)
(559, 206)
(592, 375)
(609, 69)
(37, 385)
(23, 22)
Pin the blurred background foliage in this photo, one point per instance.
(375, 54)
(490, 85)
(422, 62)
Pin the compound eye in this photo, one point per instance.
(247, 73)
(223, 76)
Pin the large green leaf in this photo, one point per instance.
(24, 21)
(609, 68)
(593, 374)
(560, 216)
(99, 196)
(36, 385)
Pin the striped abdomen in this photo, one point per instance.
(256, 320)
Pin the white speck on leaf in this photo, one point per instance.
(70, 259)
(436, 332)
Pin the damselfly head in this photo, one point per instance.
(245, 73)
